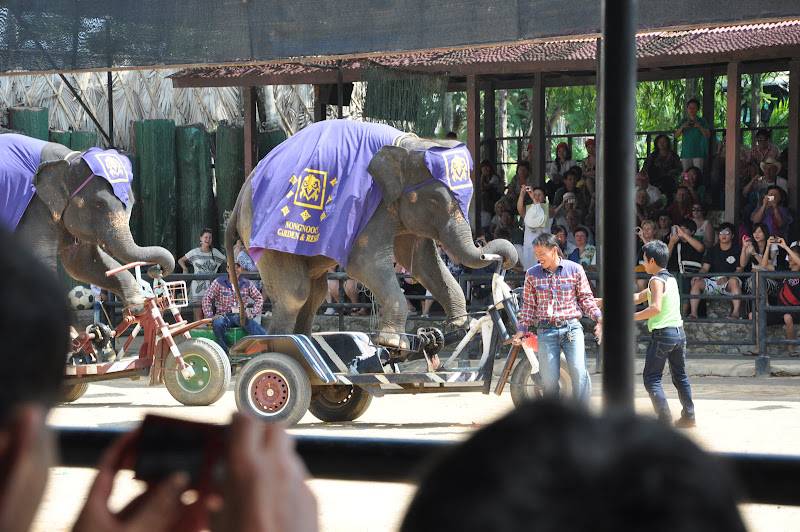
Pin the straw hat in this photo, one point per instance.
(771, 161)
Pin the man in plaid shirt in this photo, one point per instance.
(220, 295)
(556, 295)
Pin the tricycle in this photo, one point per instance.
(196, 371)
(335, 375)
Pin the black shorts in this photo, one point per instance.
(776, 317)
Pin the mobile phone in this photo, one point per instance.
(674, 229)
(168, 445)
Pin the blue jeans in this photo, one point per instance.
(228, 321)
(568, 339)
(667, 345)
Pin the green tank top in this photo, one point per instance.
(670, 315)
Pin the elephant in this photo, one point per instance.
(78, 215)
(414, 210)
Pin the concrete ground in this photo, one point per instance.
(735, 414)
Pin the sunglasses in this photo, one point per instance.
(697, 208)
(725, 232)
(760, 139)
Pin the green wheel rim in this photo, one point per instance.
(202, 374)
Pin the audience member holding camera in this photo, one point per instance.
(264, 484)
(695, 132)
(536, 219)
(773, 213)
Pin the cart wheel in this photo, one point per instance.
(341, 403)
(72, 392)
(524, 388)
(212, 373)
(275, 387)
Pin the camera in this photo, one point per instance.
(168, 445)
(528, 189)
(770, 198)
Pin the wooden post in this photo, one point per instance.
(320, 108)
(794, 133)
(250, 130)
(474, 144)
(708, 114)
(537, 142)
(490, 123)
(733, 141)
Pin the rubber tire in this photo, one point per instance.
(524, 390)
(354, 404)
(200, 393)
(72, 392)
(278, 372)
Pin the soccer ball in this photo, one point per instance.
(81, 298)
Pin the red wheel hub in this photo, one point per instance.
(270, 392)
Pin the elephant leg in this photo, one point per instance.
(370, 262)
(305, 318)
(88, 263)
(429, 269)
(287, 280)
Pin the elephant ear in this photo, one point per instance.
(51, 186)
(386, 168)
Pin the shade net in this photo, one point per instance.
(408, 101)
(72, 35)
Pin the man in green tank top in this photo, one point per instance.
(667, 337)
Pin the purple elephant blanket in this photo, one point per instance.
(312, 194)
(114, 168)
(19, 158)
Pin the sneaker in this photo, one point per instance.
(686, 423)
(330, 311)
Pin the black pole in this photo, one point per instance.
(340, 89)
(617, 151)
(110, 109)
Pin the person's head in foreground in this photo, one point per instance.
(553, 467)
(34, 324)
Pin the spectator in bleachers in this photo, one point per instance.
(643, 209)
(722, 258)
(663, 166)
(788, 294)
(694, 130)
(761, 152)
(520, 180)
(574, 221)
(560, 232)
(719, 161)
(500, 207)
(682, 207)
(589, 164)
(645, 233)
(569, 201)
(571, 177)
(773, 212)
(691, 180)
(654, 200)
(491, 184)
(584, 253)
(755, 190)
(536, 220)
(685, 254)
(510, 230)
(558, 168)
(705, 231)
(753, 250)
(664, 226)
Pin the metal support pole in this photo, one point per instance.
(762, 362)
(110, 109)
(617, 141)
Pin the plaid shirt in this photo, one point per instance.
(221, 295)
(560, 295)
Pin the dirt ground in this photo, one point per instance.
(734, 415)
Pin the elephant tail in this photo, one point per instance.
(230, 242)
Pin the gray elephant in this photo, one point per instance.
(65, 207)
(415, 202)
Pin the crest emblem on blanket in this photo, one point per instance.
(311, 190)
(457, 170)
(114, 168)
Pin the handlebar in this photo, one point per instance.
(124, 267)
(491, 256)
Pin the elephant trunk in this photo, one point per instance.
(457, 237)
(123, 247)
